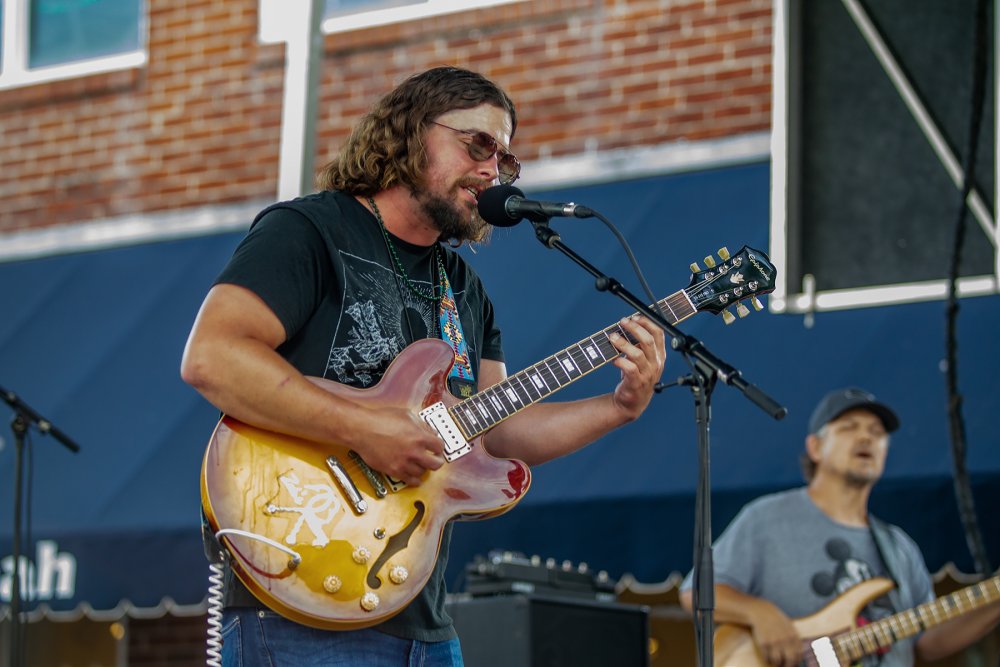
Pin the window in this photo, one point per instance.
(44, 40)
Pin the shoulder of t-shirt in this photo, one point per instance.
(770, 501)
(317, 208)
(456, 265)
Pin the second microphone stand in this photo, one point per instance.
(24, 416)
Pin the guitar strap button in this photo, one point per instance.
(369, 601)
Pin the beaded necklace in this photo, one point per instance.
(437, 291)
(461, 379)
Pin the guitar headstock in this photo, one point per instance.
(730, 281)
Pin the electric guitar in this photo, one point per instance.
(325, 540)
(831, 638)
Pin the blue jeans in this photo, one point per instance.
(254, 637)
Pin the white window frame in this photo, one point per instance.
(274, 13)
(376, 17)
(15, 71)
(789, 298)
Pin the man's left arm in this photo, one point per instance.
(958, 633)
(546, 431)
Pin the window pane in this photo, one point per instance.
(342, 7)
(63, 31)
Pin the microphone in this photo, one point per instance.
(505, 206)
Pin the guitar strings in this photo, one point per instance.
(354, 466)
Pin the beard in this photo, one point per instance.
(449, 219)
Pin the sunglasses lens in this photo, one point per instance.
(482, 146)
(509, 169)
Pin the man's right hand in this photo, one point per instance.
(398, 443)
(776, 638)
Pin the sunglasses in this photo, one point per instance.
(482, 146)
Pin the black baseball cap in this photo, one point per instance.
(839, 401)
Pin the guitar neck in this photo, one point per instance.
(883, 633)
(481, 412)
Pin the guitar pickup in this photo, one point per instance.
(439, 419)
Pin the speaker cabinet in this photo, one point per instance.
(539, 631)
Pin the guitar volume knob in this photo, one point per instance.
(369, 601)
(332, 584)
(398, 574)
(361, 555)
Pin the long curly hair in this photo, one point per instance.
(386, 147)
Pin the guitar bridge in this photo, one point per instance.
(439, 419)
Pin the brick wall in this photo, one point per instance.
(200, 123)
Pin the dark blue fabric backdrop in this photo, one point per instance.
(93, 341)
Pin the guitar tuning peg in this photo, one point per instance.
(728, 317)
(695, 268)
(756, 303)
(709, 262)
(742, 310)
(723, 253)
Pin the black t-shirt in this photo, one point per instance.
(322, 265)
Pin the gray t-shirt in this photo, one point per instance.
(783, 548)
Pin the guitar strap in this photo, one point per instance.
(461, 380)
(900, 597)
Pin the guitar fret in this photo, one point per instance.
(580, 359)
(466, 419)
(593, 352)
(549, 376)
(505, 403)
(666, 304)
(568, 364)
(515, 392)
(557, 372)
(487, 410)
(498, 406)
(882, 634)
(529, 389)
(538, 382)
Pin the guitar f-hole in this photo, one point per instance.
(396, 543)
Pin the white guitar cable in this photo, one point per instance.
(214, 641)
(220, 555)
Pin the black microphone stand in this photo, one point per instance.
(24, 416)
(706, 369)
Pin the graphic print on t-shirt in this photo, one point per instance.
(849, 571)
(372, 327)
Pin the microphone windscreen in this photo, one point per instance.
(493, 205)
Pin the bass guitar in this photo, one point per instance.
(831, 638)
(325, 540)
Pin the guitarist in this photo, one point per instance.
(789, 554)
(336, 284)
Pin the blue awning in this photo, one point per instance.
(93, 341)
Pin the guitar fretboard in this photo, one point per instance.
(883, 633)
(491, 406)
